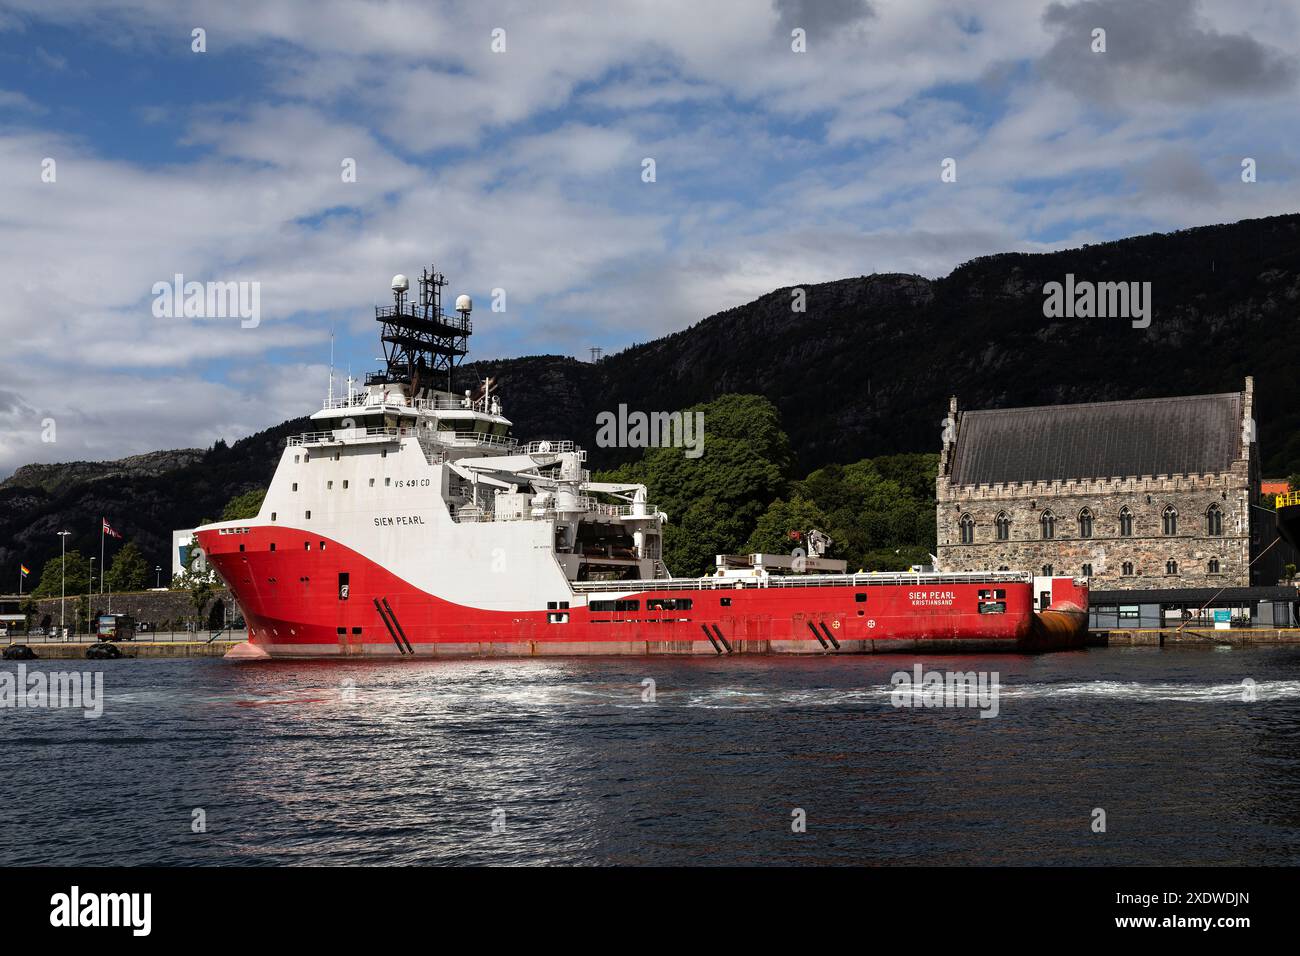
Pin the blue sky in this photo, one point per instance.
(521, 170)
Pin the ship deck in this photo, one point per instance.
(866, 579)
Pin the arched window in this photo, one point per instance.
(1126, 568)
(1213, 566)
(1171, 566)
(1003, 523)
(1085, 523)
(1214, 520)
(1125, 522)
(967, 525)
(1170, 520)
(1087, 570)
(1047, 570)
(1048, 521)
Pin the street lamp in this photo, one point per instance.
(63, 583)
(157, 581)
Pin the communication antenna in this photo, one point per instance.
(331, 390)
(419, 337)
(596, 353)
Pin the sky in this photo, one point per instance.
(793, 142)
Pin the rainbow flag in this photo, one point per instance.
(26, 571)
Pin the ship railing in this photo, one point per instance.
(428, 403)
(551, 448)
(332, 437)
(482, 438)
(591, 505)
(865, 579)
(459, 323)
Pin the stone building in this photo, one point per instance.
(1153, 493)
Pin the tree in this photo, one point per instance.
(129, 571)
(780, 521)
(714, 501)
(245, 506)
(78, 575)
(200, 587)
(879, 512)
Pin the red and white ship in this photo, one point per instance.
(410, 522)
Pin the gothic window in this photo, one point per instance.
(1213, 566)
(1125, 522)
(1126, 568)
(1085, 523)
(967, 525)
(1214, 520)
(1087, 570)
(1003, 523)
(1048, 521)
(1047, 570)
(1171, 567)
(1169, 520)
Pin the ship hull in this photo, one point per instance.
(296, 605)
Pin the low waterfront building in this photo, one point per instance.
(186, 554)
(1134, 495)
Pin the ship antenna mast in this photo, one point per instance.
(420, 337)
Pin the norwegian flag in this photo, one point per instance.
(108, 529)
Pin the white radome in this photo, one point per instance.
(400, 283)
(464, 303)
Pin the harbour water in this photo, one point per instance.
(205, 762)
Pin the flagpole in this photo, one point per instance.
(103, 523)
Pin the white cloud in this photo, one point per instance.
(522, 171)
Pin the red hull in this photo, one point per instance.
(291, 603)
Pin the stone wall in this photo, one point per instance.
(155, 608)
(1148, 548)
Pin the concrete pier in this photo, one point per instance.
(76, 650)
(1194, 637)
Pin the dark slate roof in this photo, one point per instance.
(1154, 436)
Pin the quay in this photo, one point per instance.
(162, 645)
(1193, 637)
